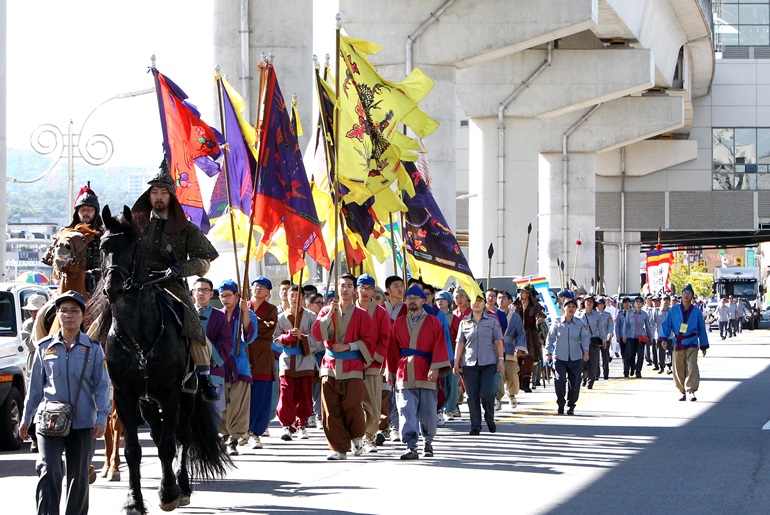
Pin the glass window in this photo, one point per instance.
(763, 182)
(722, 143)
(763, 145)
(754, 35)
(730, 39)
(722, 181)
(741, 181)
(730, 14)
(746, 146)
(754, 14)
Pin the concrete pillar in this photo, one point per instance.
(289, 37)
(581, 216)
(482, 191)
(440, 105)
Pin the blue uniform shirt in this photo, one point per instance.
(568, 340)
(55, 376)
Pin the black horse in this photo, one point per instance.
(147, 360)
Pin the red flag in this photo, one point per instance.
(282, 193)
(187, 140)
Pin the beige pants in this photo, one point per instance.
(235, 418)
(509, 380)
(200, 352)
(686, 374)
(372, 403)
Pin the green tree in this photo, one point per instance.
(683, 274)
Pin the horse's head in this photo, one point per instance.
(70, 248)
(121, 251)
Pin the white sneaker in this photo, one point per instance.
(512, 401)
(448, 415)
(337, 456)
(440, 422)
(256, 443)
(358, 446)
(243, 440)
(394, 436)
(302, 432)
(286, 435)
(369, 446)
(266, 433)
(311, 421)
(498, 405)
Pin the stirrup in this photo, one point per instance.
(190, 383)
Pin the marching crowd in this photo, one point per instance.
(366, 364)
(370, 364)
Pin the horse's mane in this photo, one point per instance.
(85, 229)
(98, 307)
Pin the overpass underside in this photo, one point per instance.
(571, 105)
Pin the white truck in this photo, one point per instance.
(13, 359)
(744, 284)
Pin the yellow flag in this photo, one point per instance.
(370, 111)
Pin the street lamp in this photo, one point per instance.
(96, 150)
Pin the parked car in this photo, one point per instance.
(13, 359)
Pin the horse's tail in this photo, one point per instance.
(208, 459)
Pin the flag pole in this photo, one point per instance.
(526, 250)
(578, 243)
(226, 151)
(393, 244)
(403, 249)
(299, 296)
(335, 185)
(258, 127)
(490, 253)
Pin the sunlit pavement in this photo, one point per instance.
(632, 447)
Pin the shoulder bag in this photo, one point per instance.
(56, 417)
(595, 340)
(643, 338)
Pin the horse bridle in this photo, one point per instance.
(128, 275)
(128, 285)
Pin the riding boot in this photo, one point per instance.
(525, 379)
(208, 389)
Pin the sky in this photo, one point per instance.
(66, 58)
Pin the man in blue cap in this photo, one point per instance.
(685, 322)
(417, 354)
(373, 373)
(235, 420)
(261, 359)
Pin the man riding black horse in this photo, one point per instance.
(176, 248)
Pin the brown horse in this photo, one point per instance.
(70, 253)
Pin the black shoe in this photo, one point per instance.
(638, 375)
(411, 454)
(492, 426)
(571, 411)
(590, 387)
(606, 377)
(683, 397)
(475, 432)
(655, 367)
(208, 389)
(584, 382)
(560, 411)
(428, 451)
(379, 439)
(661, 370)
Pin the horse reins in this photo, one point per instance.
(128, 285)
